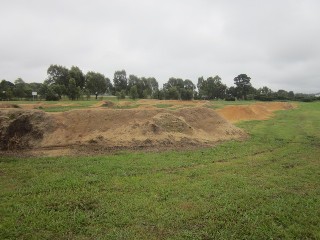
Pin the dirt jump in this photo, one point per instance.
(258, 111)
(101, 130)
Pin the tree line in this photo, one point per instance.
(74, 84)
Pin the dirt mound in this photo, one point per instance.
(8, 105)
(104, 129)
(21, 129)
(170, 104)
(108, 129)
(171, 123)
(136, 128)
(175, 103)
(149, 104)
(258, 111)
(107, 104)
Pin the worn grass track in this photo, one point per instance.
(267, 187)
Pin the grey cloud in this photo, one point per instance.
(274, 42)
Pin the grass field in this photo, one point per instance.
(267, 187)
(67, 105)
(49, 106)
(217, 104)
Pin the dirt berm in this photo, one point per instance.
(92, 129)
(257, 111)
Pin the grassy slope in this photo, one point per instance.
(267, 187)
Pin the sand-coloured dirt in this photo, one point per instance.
(44, 105)
(257, 111)
(150, 104)
(103, 128)
(141, 127)
(8, 105)
(114, 129)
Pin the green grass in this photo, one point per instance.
(47, 106)
(77, 105)
(163, 105)
(267, 187)
(127, 106)
(216, 104)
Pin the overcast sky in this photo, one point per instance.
(275, 42)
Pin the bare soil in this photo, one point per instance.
(23, 129)
(8, 105)
(258, 111)
(151, 104)
(79, 131)
(37, 105)
(101, 128)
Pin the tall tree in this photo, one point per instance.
(110, 88)
(265, 91)
(133, 92)
(59, 89)
(211, 88)
(174, 82)
(96, 83)
(177, 88)
(202, 87)
(231, 92)
(172, 93)
(48, 92)
(120, 81)
(186, 93)
(188, 85)
(6, 89)
(73, 89)
(35, 87)
(215, 88)
(20, 88)
(291, 95)
(78, 76)
(136, 81)
(264, 94)
(154, 85)
(58, 75)
(173, 88)
(243, 84)
(147, 88)
(282, 94)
